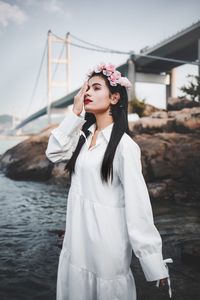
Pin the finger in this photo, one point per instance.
(81, 91)
(84, 89)
(85, 86)
(162, 283)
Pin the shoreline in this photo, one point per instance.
(14, 137)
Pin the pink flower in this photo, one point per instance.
(113, 75)
(113, 83)
(117, 74)
(102, 66)
(125, 82)
(107, 73)
(110, 68)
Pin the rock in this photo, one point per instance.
(188, 120)
(164, 155)
(187, 194)
(184, 121)
(27, 160)
(61, 235)
(151, 125)
(59, 171)
(149, 109)
(180, 103)
(159, 189)
(159, 115)
(170, 155)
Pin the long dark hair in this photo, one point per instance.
(120, 118)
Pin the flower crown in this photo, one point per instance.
(113, 75)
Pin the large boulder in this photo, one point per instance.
(27, 160)
(150, 109)
(163, 155)
(186, 120)
(180, 103)
(170, 155)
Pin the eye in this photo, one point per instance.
(96, 88)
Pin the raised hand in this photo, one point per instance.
(79, 98)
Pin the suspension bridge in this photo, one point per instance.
(151, 65)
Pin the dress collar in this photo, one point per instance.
(106, 131)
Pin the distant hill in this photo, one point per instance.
(5, 119)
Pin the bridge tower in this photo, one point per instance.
(51, 83)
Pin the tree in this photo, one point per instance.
(193, 88)
(137, 106)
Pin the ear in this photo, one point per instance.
(115, 98)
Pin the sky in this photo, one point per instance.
(127, 25)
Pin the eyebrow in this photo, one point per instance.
(96, 83)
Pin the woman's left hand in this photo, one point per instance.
(163, 282)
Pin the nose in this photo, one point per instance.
(87, 93)
(88, 88)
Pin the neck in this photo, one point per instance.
(103, 120)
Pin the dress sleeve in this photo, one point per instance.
(64, 138)
(143, 235)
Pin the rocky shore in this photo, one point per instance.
(170, 146)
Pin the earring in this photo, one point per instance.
(110, 112)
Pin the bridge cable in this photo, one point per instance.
(37, 79)
(134, 55)
(90, 44)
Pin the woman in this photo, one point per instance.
(108, 211)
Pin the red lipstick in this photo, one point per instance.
(86, 101)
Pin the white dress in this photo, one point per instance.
(104, 223)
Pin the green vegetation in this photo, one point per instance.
(193, 88)
(137, 106)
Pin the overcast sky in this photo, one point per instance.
(122, 25)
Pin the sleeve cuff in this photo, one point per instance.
(70, 125)
(166, 261)
(154, 267)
